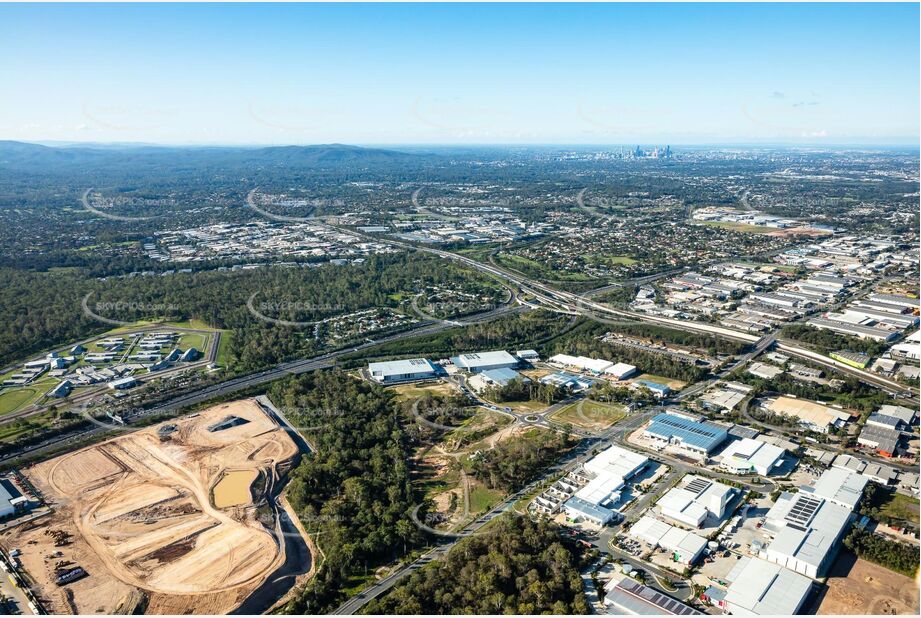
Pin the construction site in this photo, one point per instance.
(177, 518)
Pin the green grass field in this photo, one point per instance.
(20, 427)
(900, 507)
(670, 382)
(524, 407)
(195, 340)
(611, 260)
(223, 349)
(17, 398)
(594, 414)
(482, 498)
(196, 324)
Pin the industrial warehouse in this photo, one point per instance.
(694, 438)
(608, 473)
(751, 456)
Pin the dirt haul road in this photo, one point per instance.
(138, 513)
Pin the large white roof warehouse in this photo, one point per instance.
(584, 363)
(402, 370)
(807, 529)
(814, 415)
(609, 470)
(749, 455)
(481, 361)
(760, 588)
(841, 486)
(593, 365)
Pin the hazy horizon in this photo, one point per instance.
(496, 145)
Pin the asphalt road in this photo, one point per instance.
(237, 384)
(573, 304)
(581, 453)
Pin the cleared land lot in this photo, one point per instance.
(672, 383)
(408, 392)
(897, 506)
(590, 414)
(857, 586)
(443, 470)
(139, 514)
(741, 227)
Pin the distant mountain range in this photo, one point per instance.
(19, 155)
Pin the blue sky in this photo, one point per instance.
(439, 73)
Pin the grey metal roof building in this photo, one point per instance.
(502, 376)
(895, 299)
(885, 421)
(873, 471)
(907, 415)
(864, 332)
(6, 506)
(599, 515)
(882, 439)
(891, 319)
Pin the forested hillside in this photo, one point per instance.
(354, 490)
(518, 566)
(43, 309)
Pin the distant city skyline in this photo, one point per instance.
(442, 74)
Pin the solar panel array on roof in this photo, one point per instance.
(698, 485)
(802, 511)
(646, 600)
(696, 434)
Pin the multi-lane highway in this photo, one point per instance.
(241, 383)
(560, 301)
(569, 303)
